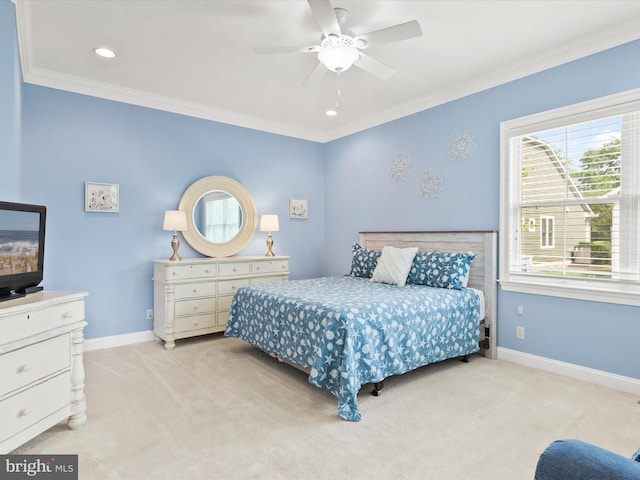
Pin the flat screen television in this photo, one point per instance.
(22, 229)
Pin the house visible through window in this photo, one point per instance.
(570, 201)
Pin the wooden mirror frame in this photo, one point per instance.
(193, 237)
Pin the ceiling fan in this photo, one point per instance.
(340, 48)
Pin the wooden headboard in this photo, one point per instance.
(483, 272)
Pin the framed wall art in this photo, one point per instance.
(298, 207)
(101, 197)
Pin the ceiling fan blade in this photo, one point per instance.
(402, 31)
(326, 16)
(299, 49)
(317, 74)
(374, 67)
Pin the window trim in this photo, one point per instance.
(584, 289)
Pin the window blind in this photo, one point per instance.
(573, 199)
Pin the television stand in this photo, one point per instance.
(13, 294)
(41, 367)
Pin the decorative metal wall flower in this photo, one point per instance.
(400, 167)
(430, 184)
(461, 145)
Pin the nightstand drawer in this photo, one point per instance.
(195, 307)
(232, 269)
(29, 364)
(195, 322)
(229, 287)
(269, 266)
(192, 290)
(30, 406)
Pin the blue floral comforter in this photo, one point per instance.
(349, 331)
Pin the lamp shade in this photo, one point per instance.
(175, 220)
(269, 223)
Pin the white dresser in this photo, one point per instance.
(192, 296)
(41, 369)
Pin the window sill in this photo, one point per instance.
(630, 296)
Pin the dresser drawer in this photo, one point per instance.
(269, 266)
(26, 408)
(229, 287)
(188, 271)
(195, 307)
(195, 322)
(26, 365)
(191, 290)
(230, 269)
(24, 325)
(224, 303)
(223, 318)
(269, 279)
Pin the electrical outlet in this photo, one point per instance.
(520, 333)
(150, 314)
(520, 310)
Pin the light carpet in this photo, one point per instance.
(216, 408)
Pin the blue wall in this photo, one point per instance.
(597, 335)
(67, 139)
(10, 84)
(153, 156)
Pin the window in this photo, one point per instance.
(546, 232)
(570, 201)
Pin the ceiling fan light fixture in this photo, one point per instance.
(338, 53)
(104, 52)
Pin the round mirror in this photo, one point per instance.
(221, 216)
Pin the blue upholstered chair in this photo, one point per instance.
(577, 460)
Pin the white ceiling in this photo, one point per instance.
(196, 57)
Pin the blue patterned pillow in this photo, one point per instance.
(363, 261)
(441, 269)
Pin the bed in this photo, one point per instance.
(347, 331)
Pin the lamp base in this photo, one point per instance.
(175, 244)
(269, 246)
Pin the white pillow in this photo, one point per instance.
(394, 265)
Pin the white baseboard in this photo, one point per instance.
(599, 377)
(118, 340)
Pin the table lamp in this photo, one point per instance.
(175, 220)
(269, 223)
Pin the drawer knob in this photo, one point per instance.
(196, 307)
(24, 412)
(235, 269)
(206, 271)
(195, 322)
(67, 314)
(195, 290)
(174, 273)
(257, 268)
(23, 368)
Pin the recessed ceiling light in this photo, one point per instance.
(331, 112)
(104, 52)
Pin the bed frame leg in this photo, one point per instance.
(464, 359)
(376, 389)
